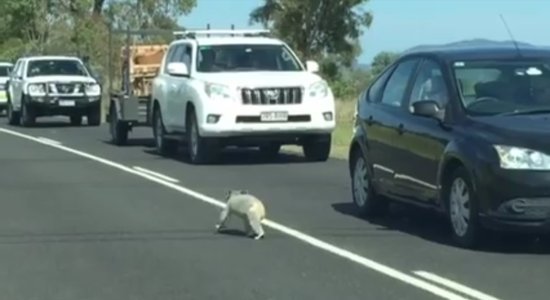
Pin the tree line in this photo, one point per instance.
(324, 30)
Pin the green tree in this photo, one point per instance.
(317, 29)
(382, 60)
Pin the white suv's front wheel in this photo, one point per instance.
(201, 150)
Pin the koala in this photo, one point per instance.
(247, 207)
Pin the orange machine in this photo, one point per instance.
(145, 63)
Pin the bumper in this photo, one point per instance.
(516, 200)
(63, 105)
(246, 120)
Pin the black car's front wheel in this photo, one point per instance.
(462, 209)
(365, 198)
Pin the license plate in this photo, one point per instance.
(274, 116)
(66, 102)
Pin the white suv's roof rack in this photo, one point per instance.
(221, 32)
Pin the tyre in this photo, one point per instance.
(462, 209)
(164, 146)
(13, 116)
(27, 117)
(94, 116)
(76, 120)
(201, 150)
(270, 150)
(317, 148)
(368, 203)
(118, 129)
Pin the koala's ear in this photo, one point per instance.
(227, 194)
(244, 192)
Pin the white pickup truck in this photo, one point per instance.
(51, 86)
(218, 88)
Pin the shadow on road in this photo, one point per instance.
(119, 236)
(435, 228)
(232, 156)
(134, 142)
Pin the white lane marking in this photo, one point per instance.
(421, 284)
(455, 286)
(49, 141)
(153, 173)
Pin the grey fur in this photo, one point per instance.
(247, 207)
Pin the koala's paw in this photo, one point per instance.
(259, 236)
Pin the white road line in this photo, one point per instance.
(49, 141)
(401, 276)
(153, 173)
(455, 286)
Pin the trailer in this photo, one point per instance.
(130, 97)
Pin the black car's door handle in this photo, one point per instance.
(369, 120)
(400, 128)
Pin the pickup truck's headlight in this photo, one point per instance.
(217, 91)
(93, 89)
(521, 158)
(36, 89)
(318, 90)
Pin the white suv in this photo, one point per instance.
(219, 88)
(50, 86)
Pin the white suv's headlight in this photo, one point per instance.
(319, 89)
(93, 89)
(36, 89)
(217, 91)
(521, 158)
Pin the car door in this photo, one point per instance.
(181, 86)
(424, 139)
(16, 84)
(381, 120)
(172, 90)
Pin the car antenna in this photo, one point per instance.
(511, 35)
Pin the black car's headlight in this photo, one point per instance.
(518, 158)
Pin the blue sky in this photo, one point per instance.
(401, 24)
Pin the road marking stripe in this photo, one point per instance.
(153, 173)
(401, 276)
(49, 141)
(455, 286)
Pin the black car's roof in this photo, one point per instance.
(456, 53)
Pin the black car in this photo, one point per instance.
(465, 131)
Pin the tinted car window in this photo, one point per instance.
(375, 91)
(238, 58)
(494, 87)
(5, 71)
(56, 67)
(397, 84)
(430, 85)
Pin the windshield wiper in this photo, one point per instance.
(527, 112)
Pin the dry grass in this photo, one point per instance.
(342, 134)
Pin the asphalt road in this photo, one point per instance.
(75, 226)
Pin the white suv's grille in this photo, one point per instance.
(65, 88)
(271, 96)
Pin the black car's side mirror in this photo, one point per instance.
(426, 108)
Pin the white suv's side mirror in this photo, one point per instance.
(312, 66)
(177, 69)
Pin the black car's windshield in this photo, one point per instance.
(56, 67)
(5, 71)
(490, 87)
(239, 58)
